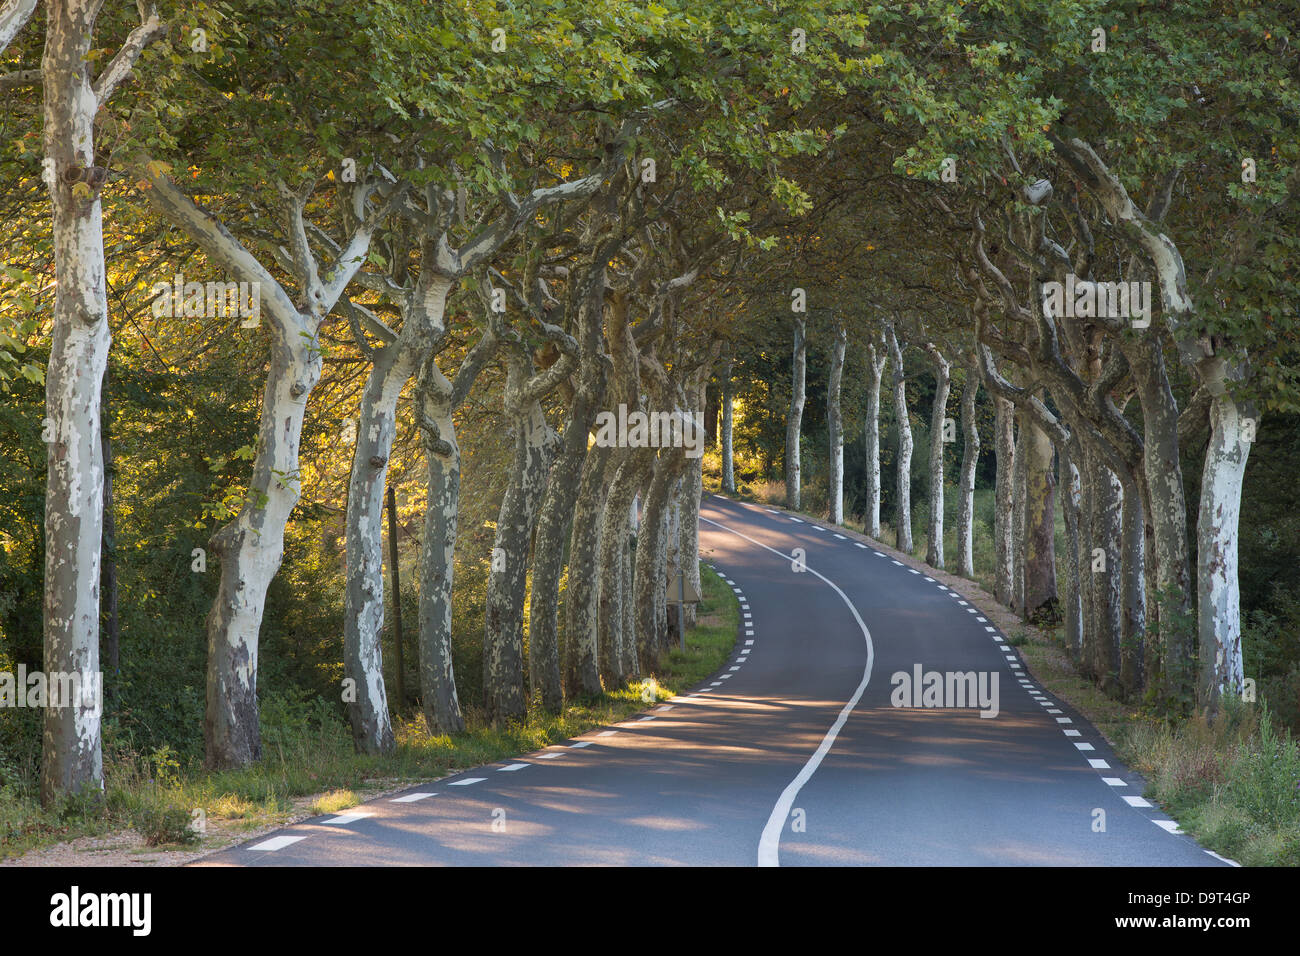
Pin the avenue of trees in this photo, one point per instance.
(282, 284)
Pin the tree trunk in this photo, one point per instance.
(728, 448)
(969, 462)
(795, 418)
(835, 425)
(1040, 522)
(903, 476)
(1133, 597)
(651, 560)
(1107, 504)
(615, 531)
(582, 598)
(503, 637)
(1218, 596)
(938, 414)
(1071, 501)
(1169, 659)
(877, 358)
(1004, 568)
(72, 756)
(441, 704)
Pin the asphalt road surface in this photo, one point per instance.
(794, 753)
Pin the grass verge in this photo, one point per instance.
(309, 766)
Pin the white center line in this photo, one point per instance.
(770, 841)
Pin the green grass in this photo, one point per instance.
(307, 750)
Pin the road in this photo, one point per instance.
(794, 753)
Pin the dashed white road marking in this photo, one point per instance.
(982, 620)
(607, 733)
(642, 720)
(1098, 764)
(931, 580)
(1072, 733)
(1168, 825)
(860, 545)
(1113, 782)
(1133, 801)
(991, 630)
(412, 797)
(468, 780)
(580, 744)
(1053, 711)
(736, 668)
(276, 843)
(664, 708)
(724, 677)
(899, 563)
(793, 518)
(1085, 746)
(511, 768)
(748, 642)
(841, 537)
(345, 818)
(549, 756)
(1064, 720)
(770, 841)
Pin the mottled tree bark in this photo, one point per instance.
(877, 356)
(835, 425)
(1232, 429)
(1004, 568)
(438, 398)
(1071, 501)
(938, 413)
(903, 477)
(1040, 522)
(582, 598)
(969, 462)
(728, 423)
(794, 420)
(72, 754)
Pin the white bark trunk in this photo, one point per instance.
(938, 413)
(1004, 565)
(877, 358)
(728, 447)
(1218, 596)
(795, 418)
(72, 760)
(969, 462)
(903, 476)
(835, 423)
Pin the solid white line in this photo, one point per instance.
(276, 843)
(412, 797)
(1223, 858)
(769, 843)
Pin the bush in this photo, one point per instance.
(161, 823)
(1264, 777)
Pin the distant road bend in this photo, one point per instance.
(794, 753)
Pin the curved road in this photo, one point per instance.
(794, 753)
